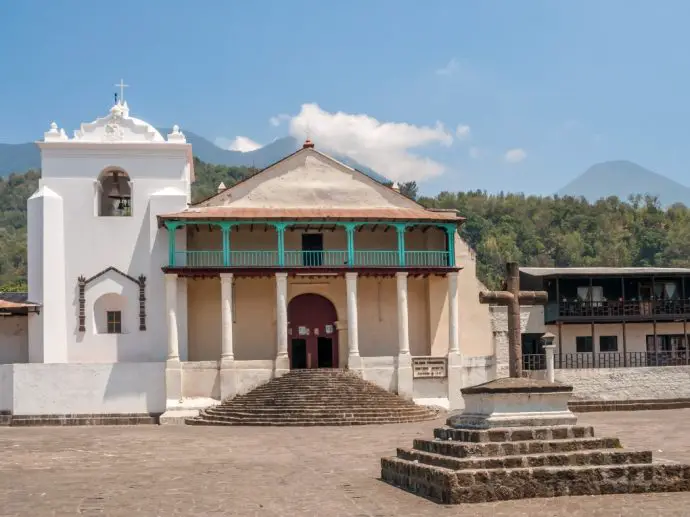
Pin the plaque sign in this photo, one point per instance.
(429, 367)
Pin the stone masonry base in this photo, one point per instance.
(7, 418)
(472, 466)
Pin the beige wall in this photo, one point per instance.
(14, 341)
(475, 320)
(635, 334)
(255, 315)
(428, 299)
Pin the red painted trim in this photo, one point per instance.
(299, 271)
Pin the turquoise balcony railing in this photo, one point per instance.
(426, 258)
(308, 259)
(377, 258)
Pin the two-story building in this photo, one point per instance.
(611, 317)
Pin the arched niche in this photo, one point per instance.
(114, 193)
(109, 314)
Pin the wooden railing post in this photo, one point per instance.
(350, 232)
(400, 228)
(450, 235)
(225, 228)
(280, 230)
(172, 226)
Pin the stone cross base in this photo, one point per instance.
(513, 402)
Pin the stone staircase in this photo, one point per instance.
(473, 466)
(314, 397)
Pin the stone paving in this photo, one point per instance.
(212, 471)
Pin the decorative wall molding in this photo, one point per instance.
(82, 303)
(82, 282)
(142, 302)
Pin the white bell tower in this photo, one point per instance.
(94, 244)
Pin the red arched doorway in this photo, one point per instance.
(312, 333)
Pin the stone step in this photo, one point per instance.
(513, 434)
(302, 422)
(586, 457)
(476, 486)
(591, 407)
(315, 397)
(314, 414)
(336, 405)
(490, 449)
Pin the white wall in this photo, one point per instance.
(159, 174)
(6, 387)
(14, 339)
(663, 382)
(59, 389)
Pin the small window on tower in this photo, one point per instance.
(114, 322)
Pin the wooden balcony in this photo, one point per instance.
(614, 311)
(330, 259)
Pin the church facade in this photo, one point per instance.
(147, 303)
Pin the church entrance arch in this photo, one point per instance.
(312, 333)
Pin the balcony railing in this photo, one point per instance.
(617, 309)
(607, 360)
(309, 259)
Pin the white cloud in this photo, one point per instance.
(278, 119)
(240, 143)
(515, 155)
(462, 132)
(476, 153)
(383, 146)
(450, 69)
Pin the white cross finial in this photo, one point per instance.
(122, 87)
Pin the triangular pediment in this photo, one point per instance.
(309, 179)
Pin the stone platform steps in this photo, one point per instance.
(471, 466)
(315, 397)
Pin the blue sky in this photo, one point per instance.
(546, 88)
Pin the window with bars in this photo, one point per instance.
(114, 322)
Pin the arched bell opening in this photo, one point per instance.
(114, 193)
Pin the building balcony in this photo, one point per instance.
(616, 311)
(589, 360)
(247, 259)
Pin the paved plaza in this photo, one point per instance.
(177, 470)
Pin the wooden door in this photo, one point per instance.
(312, 333)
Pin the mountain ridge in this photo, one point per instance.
(20, 158)
(623, 178)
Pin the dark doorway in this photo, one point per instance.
(298, 357)
(324, 347)
(532, 344)
(313, 334)
(312, 249)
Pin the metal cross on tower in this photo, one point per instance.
(512, 297)
(122, 87)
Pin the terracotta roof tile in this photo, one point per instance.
(386, 214)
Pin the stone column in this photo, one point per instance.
(354, 361)
(282, 359)
(404, 373)
(228, 384)
(550, 371)
(173, 368)
(456, 380)
(226, 352)
(171, 308)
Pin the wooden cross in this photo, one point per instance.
(512, 297)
